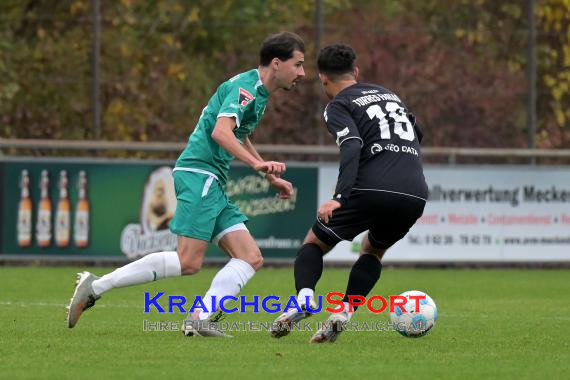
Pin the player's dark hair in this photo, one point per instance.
(280, 45)
(336, 60)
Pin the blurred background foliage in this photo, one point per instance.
(459, 65)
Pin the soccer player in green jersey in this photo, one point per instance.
(204, 213)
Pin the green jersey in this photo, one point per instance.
(242, 97)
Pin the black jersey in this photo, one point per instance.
(378, 140)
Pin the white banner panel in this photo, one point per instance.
(481, 213)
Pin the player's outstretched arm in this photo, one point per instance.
(284, 187)
(247, 144)
(224, 136)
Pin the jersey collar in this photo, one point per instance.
(259, 85)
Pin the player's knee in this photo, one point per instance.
(378, 253)
(368, 249)
(311, 238)
(371, 246)
(189, 267)
(189, 264)
(255, 260)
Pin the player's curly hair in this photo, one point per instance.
(280, 45)
(335, 60)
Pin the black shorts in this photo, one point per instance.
(388, 216)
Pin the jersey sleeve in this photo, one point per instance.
(235, 102)
(347, 171)
(340, 123)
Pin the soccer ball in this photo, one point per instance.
(414, 324)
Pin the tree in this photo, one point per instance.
(459, 64)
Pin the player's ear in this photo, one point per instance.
(323, 78)
(275, 63)
(356, 72)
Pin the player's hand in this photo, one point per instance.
(271, 167)
(285, 187)
(326, 210)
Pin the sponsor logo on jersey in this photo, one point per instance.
(244, 97)
(376, 148)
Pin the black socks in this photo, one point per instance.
(363, 276)
(308, 266)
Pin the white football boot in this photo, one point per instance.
(283, 324)
(83, 298)
(194, 326)
(331, 329)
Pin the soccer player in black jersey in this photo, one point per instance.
(380, 188)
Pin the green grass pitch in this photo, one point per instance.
(512, 324)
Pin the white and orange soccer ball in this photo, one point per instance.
(414, 323)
